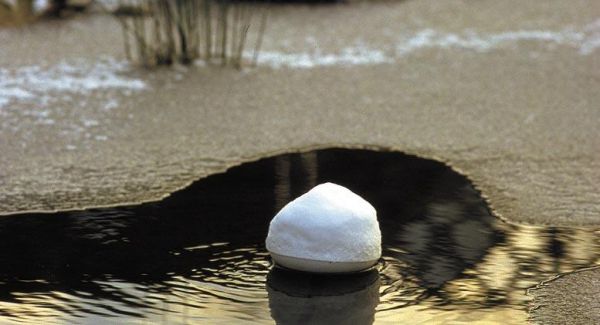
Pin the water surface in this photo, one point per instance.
(198, 256)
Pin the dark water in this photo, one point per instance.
(199, 256)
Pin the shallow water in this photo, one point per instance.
(198, 256)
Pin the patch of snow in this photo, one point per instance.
(8, 93)
(46, 121)
(110, 4)
(69, 98)
(89, 123)
(348, 56)
(328, 223)
(590, 45)
(200, 63)
(471, 40)
(592, 40)
(39, 85)
(586, 40)
(529, 118)
(40, 5)
(111, 104)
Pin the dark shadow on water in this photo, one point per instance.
(201, 251)
(304, 298)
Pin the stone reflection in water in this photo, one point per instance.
(199, 254)
(304, 298)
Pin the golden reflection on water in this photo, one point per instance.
(494, 291)
(491, 291)
(446, 258)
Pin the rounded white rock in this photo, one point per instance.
(329, 229)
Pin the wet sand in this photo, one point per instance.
(519, 118)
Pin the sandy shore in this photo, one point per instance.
(519, 117)
(571, 299)
(507, 97)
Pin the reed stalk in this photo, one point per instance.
(164, 32)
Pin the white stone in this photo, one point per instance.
(329, 229)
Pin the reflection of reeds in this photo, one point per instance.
(162, 32)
